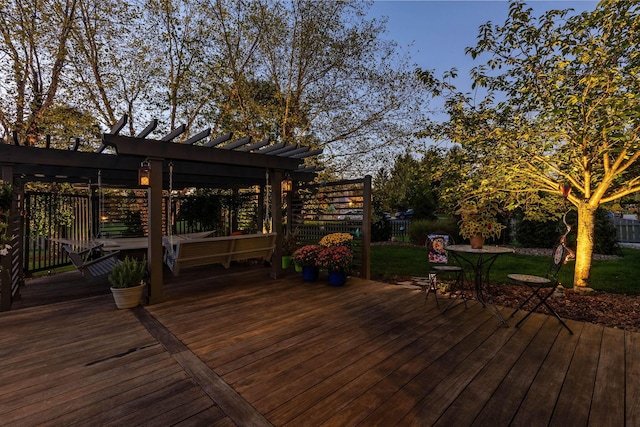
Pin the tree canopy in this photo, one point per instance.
(562, 108)
(296, 71)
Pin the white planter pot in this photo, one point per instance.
(127, 297)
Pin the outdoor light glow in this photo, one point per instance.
(144, 174)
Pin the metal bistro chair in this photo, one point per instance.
(542, 287)
(439, 265)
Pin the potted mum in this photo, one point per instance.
(479, 221)
(127, 282)
(306, 257)
(336, 239)
(337, 261)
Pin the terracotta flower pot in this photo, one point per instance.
(476, 241)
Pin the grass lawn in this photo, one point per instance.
(391, 262)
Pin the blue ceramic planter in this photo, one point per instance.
(337, 278)
(309, 273)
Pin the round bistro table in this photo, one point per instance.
(480, 261)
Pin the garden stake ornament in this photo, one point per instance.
(565, 189)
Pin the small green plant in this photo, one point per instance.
(290, 243)
(129, 273)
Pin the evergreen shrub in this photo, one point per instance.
(420, 229)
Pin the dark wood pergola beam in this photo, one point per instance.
(171, 135)
(255, 145)
(38, 164)
(219, 140)
(197, 137)
(166, 150)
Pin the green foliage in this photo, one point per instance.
(6, 195)
(421, 228)
(567, 113)
(605, 241)
(49, 212)
(202, 208)
(129, 273)
(479, 218)
(537, 234)
(545, 234)
(380, 225)
(411, 183)
(133, 223)
(290, 243)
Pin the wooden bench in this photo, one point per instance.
(217, 250)
(132, 243)
(94, 269)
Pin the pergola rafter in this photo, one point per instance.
(213, 164)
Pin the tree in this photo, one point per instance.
(411, 183)
(562, 108)
(34, 44)
(303, 72)
(336, 84)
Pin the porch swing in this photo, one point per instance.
(187, 251)
(92, 262)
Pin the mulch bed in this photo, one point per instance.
(601, 308)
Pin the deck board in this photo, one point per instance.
(234, 347)
(632, 375)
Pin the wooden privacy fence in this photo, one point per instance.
(336, 207)
(627, 230)
(11, 264)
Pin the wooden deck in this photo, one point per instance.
(237, 348)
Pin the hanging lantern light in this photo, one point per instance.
(144, 174)
(286, 185)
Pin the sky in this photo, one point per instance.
(436, 33)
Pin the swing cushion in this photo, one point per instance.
(217, 250)
(93, 268)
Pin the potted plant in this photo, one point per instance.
(289, 246)
(479, 221)
(337, 261)
(306, 257)
(336, 239)
(127, 282)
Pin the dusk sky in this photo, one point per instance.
(441, 30)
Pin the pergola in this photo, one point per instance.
(196, 162)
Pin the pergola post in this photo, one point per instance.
(5, 271)
(366, 233)
(290, 206)
(276, 215)
(154, 248)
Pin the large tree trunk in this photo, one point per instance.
(584, 250)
